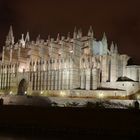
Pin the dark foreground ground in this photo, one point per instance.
(68, 123)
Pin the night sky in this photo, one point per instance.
(120, 19)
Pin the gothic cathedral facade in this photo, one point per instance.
(67, 63)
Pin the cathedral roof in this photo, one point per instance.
(124, 79)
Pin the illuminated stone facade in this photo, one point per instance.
(77, 63)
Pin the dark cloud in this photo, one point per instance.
(119, 19)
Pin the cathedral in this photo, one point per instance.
(76, 64)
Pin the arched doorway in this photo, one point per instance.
(22, 87)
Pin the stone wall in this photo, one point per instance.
(64, 101)
(83, 93)
(130, 87)
(132, 72)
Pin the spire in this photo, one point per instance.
(10, 37)
(75, 33)
(10, 32)
(22, 36)
(48, 40)
(38, 39)
(68, 36)
(104, 37)
(22, 41)
(90, 32)
(79, 35)
(112, 47)
(58, 37)
(116, 49)
(27, 38)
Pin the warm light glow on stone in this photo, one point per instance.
(123, 95)
(138, 97)
(22, 67)
(78, 94)
(101, 95)
(11, 92)
(44, 67)
(62, 93)
(71, 51)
